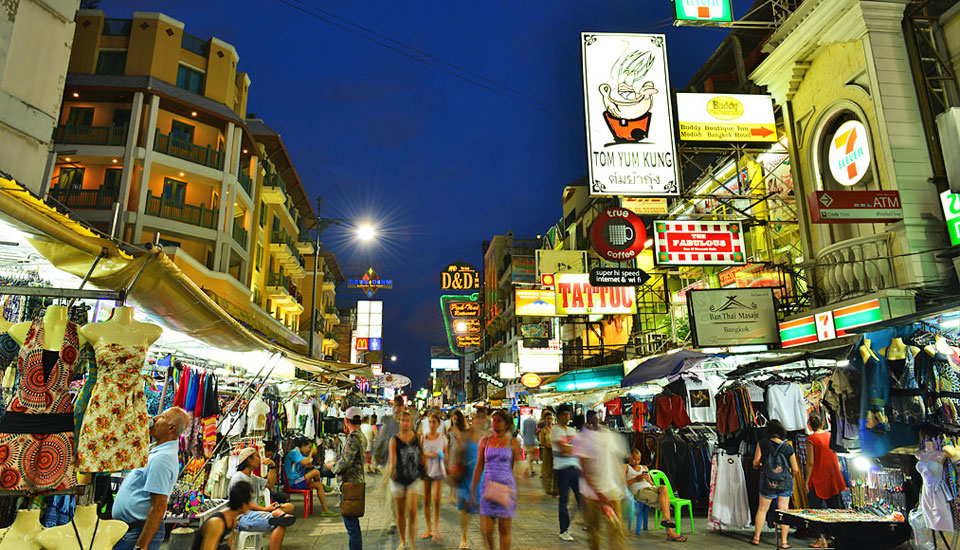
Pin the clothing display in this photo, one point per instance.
(114, 435)
(785, 403)
(36, 433)
(906, 405)
(670, 410)
(305, 420)
(934, 497)
(701, 406)
(729, 507)
(257, 412)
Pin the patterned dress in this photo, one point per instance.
(498, 467)
(36, 433)
(114, 436)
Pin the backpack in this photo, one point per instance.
(777, 478)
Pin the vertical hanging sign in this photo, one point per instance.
(631, 150)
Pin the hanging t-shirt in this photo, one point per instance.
(234, 423)
(755, 392)
(257, 413)
(701, 405)
(290, 408)
(305, 422)
(614, 406)
(785, 403)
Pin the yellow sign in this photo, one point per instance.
(536, 302)
(644, 205)
(735, 117)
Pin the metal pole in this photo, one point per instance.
(316, 268)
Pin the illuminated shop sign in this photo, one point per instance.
(854, 206)
(576, 296)
(460, 276)
(370, 283)
(831, 324)
(698, 243)
(732, 117)
(618, 234)
(535, 302)
(703, 10)
(849, 153)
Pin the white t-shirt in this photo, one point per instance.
(636, 486)
(567, 436)
(305, 422)
(785, 403)
(257, 482)
(257, 413)
(606, 451)
(701, 405)
(234, 423)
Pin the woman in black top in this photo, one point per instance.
(406, 462)
(215, 530)
(777, 463)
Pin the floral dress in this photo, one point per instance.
(114, 436)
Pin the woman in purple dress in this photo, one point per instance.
(496, 457)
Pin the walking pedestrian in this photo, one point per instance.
(566, 468)
(349, 468)
(776, 457)
(601, 454)
(546, 456)
(642, 488)
(369, 434)
(405, 464)
(381, 448)
(467, 498)
(528, 431)
(496, 457)
(824, 480)
(454, 449)
(435, 448)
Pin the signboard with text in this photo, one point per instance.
(460, 276)
(561, 261)
(576, 296)
(703, 10)
(461, 318)
(535, 302)
(730, 117)
(733, 317)
(618, 276)
(698, 243)
(854, 206)
(645, 205)
(951, 214)
(631, 150)
(848, 153)
(618, 234)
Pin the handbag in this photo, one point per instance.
(497, 493)
(352, 499)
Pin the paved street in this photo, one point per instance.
(534, 529)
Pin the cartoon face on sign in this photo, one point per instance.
(627, 107)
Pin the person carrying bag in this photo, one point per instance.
(349, 469)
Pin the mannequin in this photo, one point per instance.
(898, 350)
(121, 328)
(103, 532)
(54, 326)
(22, 535)
(866, 353)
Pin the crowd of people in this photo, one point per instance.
(486, 458)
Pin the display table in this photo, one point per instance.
(216, 505)
(849, 528)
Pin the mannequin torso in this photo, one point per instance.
(121, 329)
(104, 533)
(865, 352)
(54, 327)
(22, 535)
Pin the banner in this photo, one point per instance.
(535, 302)
(698, 243)
(561, 261)
(730, 117)
(524, 269)
(733, 317)
(576, 296)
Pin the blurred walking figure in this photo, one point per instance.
(435, 450)
(467, 498)
(528, 431)
(601, 454)
(496, 458)
(405, 463)
(369, 430)
(381, 449)
(642, 488)
(546, 456)
(454, 449)
(566, 467)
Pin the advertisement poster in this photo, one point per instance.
(631, 149)
(704, 10)
(733, 317)
(525, 269)
(535, 302)
(698, 243)
(576, 296)
(612, 330)
(561, 261)
(731, 117)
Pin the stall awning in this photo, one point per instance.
(835, 353)
(586, 379)
(664, 366)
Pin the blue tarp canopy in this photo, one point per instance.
(665, 366)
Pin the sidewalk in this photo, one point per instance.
(535, 528)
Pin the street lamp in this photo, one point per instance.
(393, 358)
(366, 232)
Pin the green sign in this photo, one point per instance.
(703, 10)
(951, 213)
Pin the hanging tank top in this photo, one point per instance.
(408, 461)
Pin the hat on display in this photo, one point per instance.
(245, 454)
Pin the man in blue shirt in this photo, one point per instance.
(295, 467)
(141, 501)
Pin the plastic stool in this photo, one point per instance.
(641, 512)
(243, 537)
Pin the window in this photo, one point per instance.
(168, 243)
(259, 257)
(276, 223)
(111, 181)
(121, 117)
(111, 62)
(174, 191)
(70, 178)
(190, 80)
(181, 131)
(263, 213)
(80, 116)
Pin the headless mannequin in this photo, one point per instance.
(104, 535)
(121, 329)
(866, 353)
(898, 350)
(22, 535)
(54, 326)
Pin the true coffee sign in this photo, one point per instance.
(618, 234)
(576, 296)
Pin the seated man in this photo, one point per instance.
(295, 466)
(642, 488)
(273, 520)
(216, 531)
(270, 454)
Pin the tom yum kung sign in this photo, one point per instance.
(576, 296)
(631, 148)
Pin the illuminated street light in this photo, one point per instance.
(393, 357)
(366, 232)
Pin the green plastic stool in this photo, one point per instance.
(659, 478)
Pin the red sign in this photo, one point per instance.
(854, 206)
(363, 344)
(618, 234)
(698, 243)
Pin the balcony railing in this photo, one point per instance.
(239, 234)
(855, 267)
(86, 199)
(163, 207)
(278, 280)
(245, 182)
(207, 156)
(273, 179)
(194, 44)
(91, 135)
(117, 27)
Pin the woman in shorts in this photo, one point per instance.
(405, 464)
(435, 451)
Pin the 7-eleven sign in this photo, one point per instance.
(825, 327)
(703, 10)
(849, 154)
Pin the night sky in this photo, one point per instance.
(477, 137)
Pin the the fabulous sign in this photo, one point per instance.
(576, 296)
(698, 243)
(733, 317)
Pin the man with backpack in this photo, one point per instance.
(776, 461)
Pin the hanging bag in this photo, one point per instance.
(353, 493)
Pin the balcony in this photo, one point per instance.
(330, 339)
(205, 156)
(162, 207)
(284, 294)
(240, 234)
(117, 27)
(246, 183)
(91, 135)
(86, 199)
(194, 44)
(856, 267)
(285, 249)
(330, 314)
(274, 189)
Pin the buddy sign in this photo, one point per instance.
(576, 296)
(733, 117)
(848, 153)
